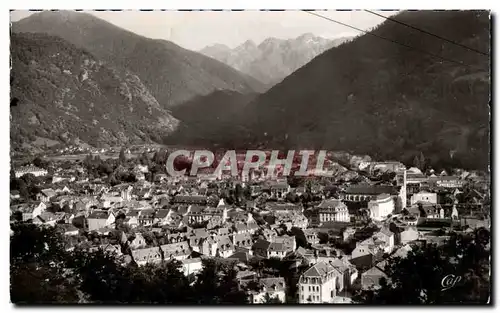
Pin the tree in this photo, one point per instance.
(170, 284)
(387, 177)
(104, 169)
(12, 172)
(160, 157)
(39, 162)
(238, 194)
(292, 197)
(207, 281)
(247, 192)
(416, 162)
(419, 161)
(422, 161)
(421, 210)
(300, 237)
(217, 284)
(122, 158)
(418, 279)
(323, 238)
(213, 200)
(29, 179)
(144, 159)
(37, 267)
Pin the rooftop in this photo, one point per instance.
(371, 189)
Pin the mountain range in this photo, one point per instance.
(107, 86)
(395, 98)
(171, 73)
(65, 94)
(273, 59)
(377, 97)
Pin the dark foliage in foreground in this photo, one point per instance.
(42, 271)
(417, 279)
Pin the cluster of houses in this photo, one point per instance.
(184, 218)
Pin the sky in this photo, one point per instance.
(195, 30)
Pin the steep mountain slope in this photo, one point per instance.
(172, 74)
(209, 120)
(376, 97)
(66, 94)
(273, 59)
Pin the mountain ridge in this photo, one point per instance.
(386, 99)
(172, 74)
(64, 93)
(371, 96)
(273, 59)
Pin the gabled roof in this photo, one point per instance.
(224, 243)
(371, 189)
(386, 231)
(49, 216)
(176, 248)
(330, 203)
(98, 215)
(241, 256)
(319, 269)
(240, 226)
(48, 192)
(340, 265)
(189, 199)
(242, 239)
(133, 213)
(375, 271)
(199, 232)
(162, 213)
(276, 246)
(195, 209)
(147, 213)
(273, 283)
(402, 252)
(146, 254)
(279, 185)
(261, 244)
(67, 227)
(283, 207)
(222, 231)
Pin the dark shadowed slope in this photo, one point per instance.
(64, 93)
(209, 120)
(172, 74)
(373, 96)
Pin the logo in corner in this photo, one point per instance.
(450, 281)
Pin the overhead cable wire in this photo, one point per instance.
(390, 40)
(428, 33)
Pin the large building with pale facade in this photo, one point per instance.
(380, 207)
(319, 284)
(333, 210)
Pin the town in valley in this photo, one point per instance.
(288, 239)
(158, 157)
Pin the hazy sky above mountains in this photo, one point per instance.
(197, 29)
